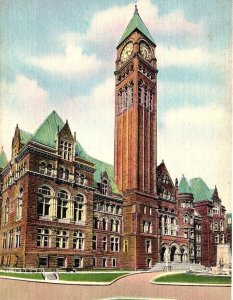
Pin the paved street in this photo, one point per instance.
(137, 285)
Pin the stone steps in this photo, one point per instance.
(179, 267)
(51, 276)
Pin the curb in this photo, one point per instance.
(66, 282)
(184, 283)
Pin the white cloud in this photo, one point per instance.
(72, 63)
(196, 142)
(111, 23)
(92, 117)
(23, 102)
(194, 57)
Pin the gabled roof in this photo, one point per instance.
(24, 136)
(46, 134)
(101, 167)
(136, 23)
(184, 187)
(200, 190)
(3, 159)
(162, 168)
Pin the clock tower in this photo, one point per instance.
(136, 142)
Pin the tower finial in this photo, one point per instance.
(136, 9)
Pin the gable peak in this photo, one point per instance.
(136, 23)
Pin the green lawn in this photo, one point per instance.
(95, 277)
(23, 275)
(189, 278)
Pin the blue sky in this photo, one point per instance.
(60, 55)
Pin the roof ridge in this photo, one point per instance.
(136, 22)
(46, 132)
(3, 158)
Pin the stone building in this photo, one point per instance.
(62, 208)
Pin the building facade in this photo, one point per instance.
(62, 208)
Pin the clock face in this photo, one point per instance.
(127, 51)
(145, 51)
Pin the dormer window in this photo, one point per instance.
(105, 187)
(65, 150)
(42, 167)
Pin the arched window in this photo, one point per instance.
(6, 211)
(82, 179)
(149, 227)
(140, 92)
(151, 100)
(125, 97)
(186, 219)
(79, 208)
(164, 194)
(43, 203)
(126, 246)
(130, 94)
(105, 187)
(49, 169)
(112, 225)
(145, 96)
(117, 225)
(119, 101)
(61, 172)
(96, 222)
(69, 154)
(62, 204)
(104, 224)
(67, 174)
(42, 168)
(19, 205)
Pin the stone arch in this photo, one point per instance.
(164, 253)
(174, 252)
(183, 253)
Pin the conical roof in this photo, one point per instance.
(184, 187)
(46, 134)
(3, 159)
(136, 23)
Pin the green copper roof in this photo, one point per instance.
(184, 187)
(24, 136)
(46, 134)
(229, 219)
(200, 190)
(3, 159)
(136, 23)
(101, 167)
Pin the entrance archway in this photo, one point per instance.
(173, 252)
(183, 253)
(164, 253)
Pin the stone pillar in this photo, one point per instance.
(70, 210)
(53, 207)
(168, 225)
(162, 225)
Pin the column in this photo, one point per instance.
(162, 224)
